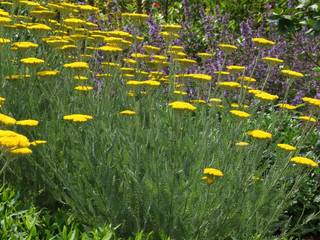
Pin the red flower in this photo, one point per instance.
(156, 5)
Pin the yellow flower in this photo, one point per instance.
(195, 76)
(286, 147)
(151, 83)
(48, 73)
(307, 118)
(242, 144)
(182, 106)
(151, 49)
(32, 61)
(140, 56)
(169, 36)
(77, 65)
(88, 8)
(2, 100)
(287, 106)
(10, 139)
(24, 45)
(227, 48)
(293, 74)
(259, 134)
(17, 77)
(304, 161)
(205, 56)
(28, 122)
(110, 49)
(4, 41)
(240, 114)
(78, 118)
(7, 120)
(272, 61)
(21, 151)
(5, 20)
(42, 14)
(183, 93)
(173, 28)
(215, 100)
(38, 142)
(39, 26)
(80, 78)
(135, 16)
(266, 96)
(312, 101)
(247, 79)
(229, 85)
(74, 22)
(235, 68)
(198, 101)
(83, 88)
(262, 42)
(208, 179)
(213, 172)
(222, 73)
(236, 105)
(128, 113)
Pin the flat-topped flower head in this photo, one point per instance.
(38, 142)
(7, 120)
(304, 161)
(287, 106)
(307, 119)
(272, 61)
(182, 93)
(266, 96)
(128, 113)
(213, 172)
(240, 114)
(229, 85)
(263, 42)
(110, 49)
(227, 48)
(174, 28)
(168, 36)
(21, 151)
(28, 123)
(48, 73)
(32, 61)
(236, 68)
(292, 74)
(83, 88)
(4, 41)
(77, 118)
(184, 62)
(259, 134)
(77, 65)
(205, 56)
(178, 105)
(135, 17)
(242, 144)
(24, 45)
(247, 79)
(74, 22)
(312, 101)
(286, 147)
(151, 49)
(195, 76)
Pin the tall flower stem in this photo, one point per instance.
(218, 80)
(267, 77)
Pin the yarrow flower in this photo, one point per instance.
(128, 113)
(272, 61)
(293, 74)
(27, 122)
(227, 48)
(77, 118)
(259, 134)
(242, 144)
(182, 106)
(286, 147)
(263, 42)
(32, 61)
(76, 65)
(235, 68)
(240, 114)
(307, 118)
(210, 174)
(304, 161)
